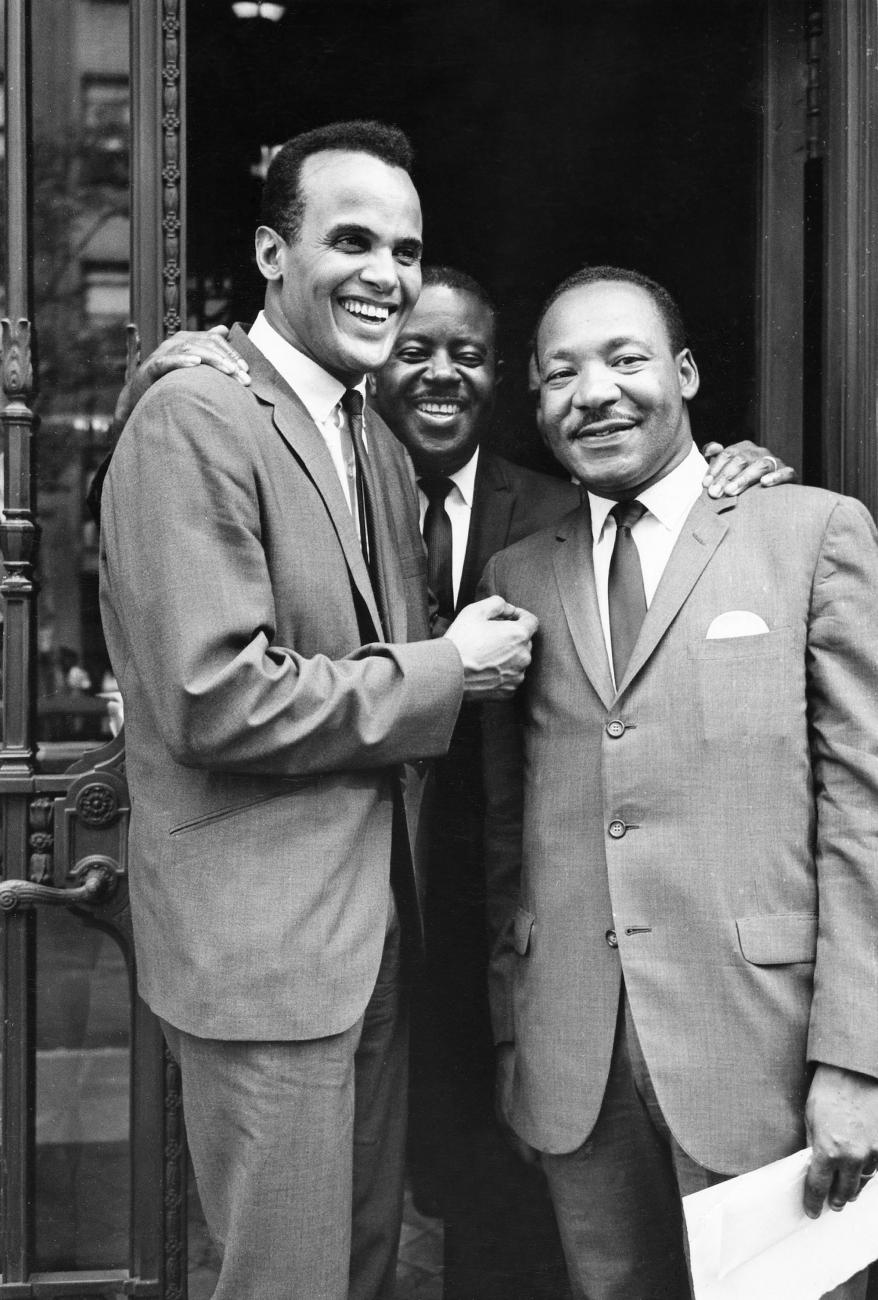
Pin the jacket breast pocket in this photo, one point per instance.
(778, 940)
(748, 687)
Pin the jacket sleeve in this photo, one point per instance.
(502, 761)
(187, 595)
(843, 717)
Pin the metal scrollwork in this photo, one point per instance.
(97, 804)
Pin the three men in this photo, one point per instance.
(268, 625)
(683, 816)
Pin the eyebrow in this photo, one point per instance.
(456, 341)
(623, 341)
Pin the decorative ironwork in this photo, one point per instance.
(813, 37)
(97, 804)
(41, 840)
(171, 145)
(18, 371)
(175, 1250)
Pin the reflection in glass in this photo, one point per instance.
(83, 1085)
(81, 274)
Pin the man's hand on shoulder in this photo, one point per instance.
(841, 1118)
(732, 470)
(180, 352)
(493, 639)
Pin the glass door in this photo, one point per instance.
(93, 1168)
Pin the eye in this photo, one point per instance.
(629, 360)
(407, 254)
(558, 376)
(411, 355)
(351, 244)
(469, 359)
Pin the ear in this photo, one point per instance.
(270, 249)
(371, 385)
(499, 372)
(688, 374)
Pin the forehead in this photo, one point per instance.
(342, 187)
(592, 315)
(442, 313)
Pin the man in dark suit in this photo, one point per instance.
(269, 630)
(437, 393)
(682, 851)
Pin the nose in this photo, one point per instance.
(440, 366)
(380, 271)
(597, 386)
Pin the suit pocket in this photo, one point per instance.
(778, 940)
(522, 929)
(748, 687)
(232, 810)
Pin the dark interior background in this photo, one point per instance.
(547, 135)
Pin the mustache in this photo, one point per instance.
(602, 415)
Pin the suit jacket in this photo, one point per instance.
(266, 717)
(509, 502)
(724, 835)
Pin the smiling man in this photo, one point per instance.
(683, 814)
(264, 605)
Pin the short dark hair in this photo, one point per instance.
(283, 203)
(667, 307)
(450, 278)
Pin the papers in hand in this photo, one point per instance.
(750, 1239)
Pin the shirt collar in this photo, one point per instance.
(465, 478)
(669, 499)
(318, 391)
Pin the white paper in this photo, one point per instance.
(750, 1239)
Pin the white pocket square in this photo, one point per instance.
(736, 622)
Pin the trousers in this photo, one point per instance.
(298, 1150)
(617, 1198)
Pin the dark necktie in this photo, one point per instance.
(625, 594)
(352, 405)
(437, 536)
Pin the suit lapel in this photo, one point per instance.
(493, 502)
(574, 572)
(702, 533)
(305, 441)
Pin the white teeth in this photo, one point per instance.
(439, 408)
(366, 310)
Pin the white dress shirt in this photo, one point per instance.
(320, 393)
(667, 502)
(459, 508)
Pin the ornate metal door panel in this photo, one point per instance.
(92, 1178)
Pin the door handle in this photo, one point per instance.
(98, 874)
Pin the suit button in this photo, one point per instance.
(612, 941)
(617, 829)
(615, 728)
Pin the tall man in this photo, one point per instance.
(264, 605)
(686, 898)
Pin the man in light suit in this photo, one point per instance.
(683, 879)
(269, 630)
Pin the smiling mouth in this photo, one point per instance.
(375, 313)
(439, 410)
(603, 428)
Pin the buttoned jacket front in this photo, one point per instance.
(709, 831)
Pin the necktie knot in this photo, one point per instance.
(435, 487)
(352, 405)
(627, 513)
